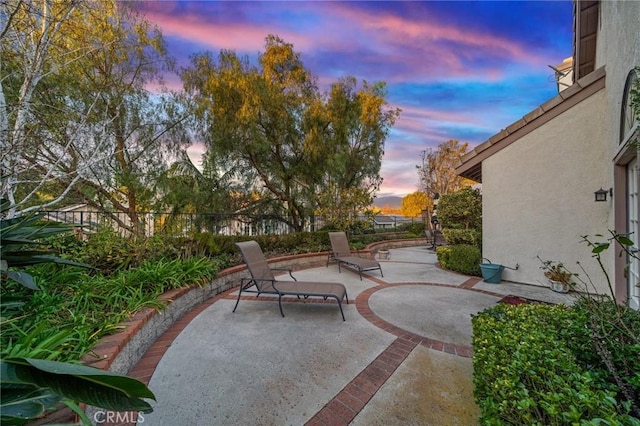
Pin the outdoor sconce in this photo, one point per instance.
(601, 194)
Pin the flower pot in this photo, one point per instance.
(491, 272)
(383, 254)
(559, 286)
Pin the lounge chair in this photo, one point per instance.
(341, 253)
(264, 281)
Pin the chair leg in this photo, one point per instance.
(280, 304)
(340, 306)
(238, 299)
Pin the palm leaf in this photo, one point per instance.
(78, 383)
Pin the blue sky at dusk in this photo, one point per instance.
(457, 69)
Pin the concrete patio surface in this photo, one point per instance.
(402, 357)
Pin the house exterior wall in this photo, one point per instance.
(538, 194)
(618, 48)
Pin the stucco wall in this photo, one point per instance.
(618, 48)
(541, 197)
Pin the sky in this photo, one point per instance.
(457, 69)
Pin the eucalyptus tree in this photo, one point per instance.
(358, 122)
(79, 117)
(437, 172)
(290, 140)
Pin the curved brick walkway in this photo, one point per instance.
(349, 401)
(352, 398)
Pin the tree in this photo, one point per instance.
(461, 209)
(413, 204)
(437, 172)
(80, 119)
(216, 188)
(293, 143)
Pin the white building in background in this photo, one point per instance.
(539, 175)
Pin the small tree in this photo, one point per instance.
(461, 209)
(437, 172)
(413, 204)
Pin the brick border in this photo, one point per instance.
(351, 399)
(107, 353)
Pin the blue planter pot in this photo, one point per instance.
(491, 272)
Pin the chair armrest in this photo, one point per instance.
(285, 270)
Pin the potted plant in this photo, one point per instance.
(560, 279)
(383, 254)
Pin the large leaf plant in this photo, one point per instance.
(31, 385)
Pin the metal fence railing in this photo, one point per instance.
(150, 223)
(180, 224)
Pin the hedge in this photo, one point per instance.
(526, 370)
(460, 258)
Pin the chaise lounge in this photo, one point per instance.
(263, 279)
(341, 253)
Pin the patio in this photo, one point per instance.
(403, 356)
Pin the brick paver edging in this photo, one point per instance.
(346, 405)
(351, 399)
(145, 337)
(119, 352)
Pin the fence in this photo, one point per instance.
(150, 223)
(181, 224)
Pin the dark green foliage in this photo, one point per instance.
(471, 237)
(611, 345)
(91, 306)
(21, 246)
(461, 209)
(30, 386)
(460, 258)
(31, 382)
(414, 229)
(109, 251)
(530, 367)
(208, 244)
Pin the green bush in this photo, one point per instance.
(91, 306)
(461, 209)
(470, 237)
(443, 253)
(108, 251)
(414, 229)
(526, 370)
(460, 258)
(609, 344)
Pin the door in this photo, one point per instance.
(633, 276)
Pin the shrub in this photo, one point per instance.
(108, 251)
(443, 253)
(461, 209)
(611, 345)
(526, 370)
(460, 258)
(415, 229)
(470, 237)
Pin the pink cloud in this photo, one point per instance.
(232, 35)
(399, 179)
(392, 30)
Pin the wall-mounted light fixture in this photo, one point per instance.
(601, 194)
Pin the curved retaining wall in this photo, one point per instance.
(121, 351)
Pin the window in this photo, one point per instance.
(628, 117)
